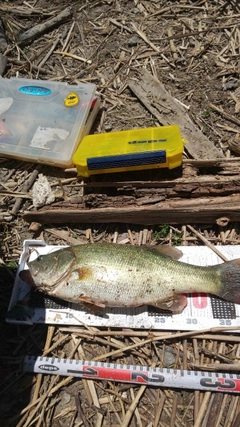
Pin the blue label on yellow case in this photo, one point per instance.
(35, 90)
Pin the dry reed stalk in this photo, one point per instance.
(50, 333)
(71, 55)
(196, 392)
(159, 407)
(174, 410)
(115, 410)
(202, 409)
(131, 409)
(236, 421)
(85, 382)
(61, 340)
(136, 412)
(168, 411)
(170, 336)
(162, 335)
(185, 356)
(208, 412)
(234, 403)
(39, 403)
(49, 53)
(230, 338)
(62, 383)
(95, 402)
(207, 243)
(188, 408)
(233, 367)
(49, 337)
(223, 113)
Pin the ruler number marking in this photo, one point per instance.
(197, 380)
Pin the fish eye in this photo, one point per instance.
(40, 258)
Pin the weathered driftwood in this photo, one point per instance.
(167, 110)
(44, 27)
(193, 197)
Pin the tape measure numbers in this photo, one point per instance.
(160, 377)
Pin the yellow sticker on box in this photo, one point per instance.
(71, 100)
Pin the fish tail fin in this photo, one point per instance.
(230, 281)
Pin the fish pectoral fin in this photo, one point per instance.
(91, 304)
(175, 303)
(166, 251)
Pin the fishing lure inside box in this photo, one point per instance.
(44, 121)
(28, 306)
(137, 149)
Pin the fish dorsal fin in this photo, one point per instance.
(167, 251)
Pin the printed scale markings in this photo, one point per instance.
(161, 377)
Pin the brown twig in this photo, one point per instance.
(224, 114)
(27, 185)
(46, 26)
(80, 411)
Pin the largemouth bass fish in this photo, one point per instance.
(110, 275)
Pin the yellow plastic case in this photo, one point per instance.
(137, 149)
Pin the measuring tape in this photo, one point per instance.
(160, 377)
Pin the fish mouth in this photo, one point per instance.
(26, 276)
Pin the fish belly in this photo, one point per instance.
(114, 287)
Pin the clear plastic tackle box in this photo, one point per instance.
(44, 121)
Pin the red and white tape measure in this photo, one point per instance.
(160, 377)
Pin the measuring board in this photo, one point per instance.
(28, 306)
(160, 377)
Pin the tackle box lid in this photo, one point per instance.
(43, 121)
(128, 150)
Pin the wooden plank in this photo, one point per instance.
(203, 192)
(167, 111)
(197, 172)
(203, 210)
